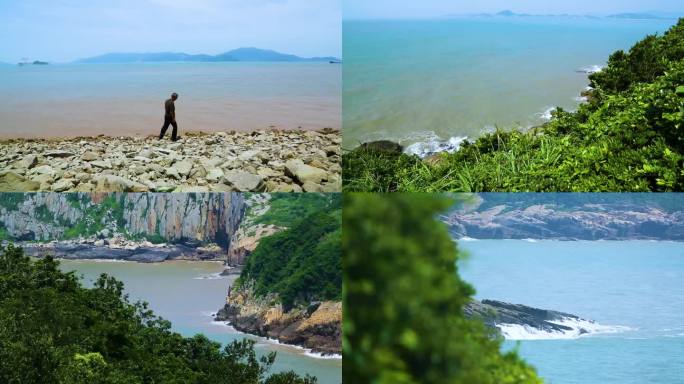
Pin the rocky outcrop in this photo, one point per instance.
(260, 161)
(144, 252)
(317, 327)
(495, 313)
(192, 219)
(568, 217)
(247, 237)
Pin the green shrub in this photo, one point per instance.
(628, 138)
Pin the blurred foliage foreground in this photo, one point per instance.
(403, 300)
(53, 330)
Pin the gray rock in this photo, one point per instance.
(184, 167)
(12, 182)
(58, 153)
(90, 156)
(214, 175)
(249, 155)
(62, 185)
(28, 161)
(244, 181)
(104, 164)
(112, 183)
(44, 170)
(304, 173)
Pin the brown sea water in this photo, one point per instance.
(68, 100)
(187, 293)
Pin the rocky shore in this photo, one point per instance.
(317, 327)
(496, 313)
(264, 161)
(119, 249)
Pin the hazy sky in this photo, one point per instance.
(65, 30)
(353, 9)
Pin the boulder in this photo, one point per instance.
(12, 182)
(112, 183)
(90, 156)
(304, 173)
(62, 185)
(184, 167)
(28, 161)
(58, 153)
(244, 181)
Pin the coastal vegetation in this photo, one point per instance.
(54, 330)
(303, 263)
(627, 137)
(404, 301)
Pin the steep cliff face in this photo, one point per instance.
(247, 236)
(174, 218)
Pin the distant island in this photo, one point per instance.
(35, 62)
(633, 16)
(240, 54)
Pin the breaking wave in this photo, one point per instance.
(580, 327)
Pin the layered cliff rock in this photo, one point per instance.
(197, 218)
(317, 327)
(564, 217)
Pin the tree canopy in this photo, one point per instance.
(53, 330)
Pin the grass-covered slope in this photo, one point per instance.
(628, 137)
(304, 262)
(53, 330)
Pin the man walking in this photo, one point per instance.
(170, 117)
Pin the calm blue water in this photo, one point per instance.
(187, 293)
(637, 284)
(428, 80)
(127, 99)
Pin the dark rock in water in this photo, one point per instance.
(382, 146)
(493, 312)
(231, 271)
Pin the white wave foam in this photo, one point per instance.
(317, 355)
(581, 99)
(211, 276)
(590, 69)
(578, 329)
(531, 240)
(546, 114)
(466, 238)
(434, 144)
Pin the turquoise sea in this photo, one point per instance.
(188, 293)
(633, 289)
(438, 81)
(59, 100)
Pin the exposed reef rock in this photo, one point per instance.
(317, 327)
(494, 313)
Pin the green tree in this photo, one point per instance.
(403, 300)
(53, 330)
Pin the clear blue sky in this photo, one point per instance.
(372, 9)
(65, 30)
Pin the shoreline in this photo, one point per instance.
(140, 252)
(4, 139)
(308, 352)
